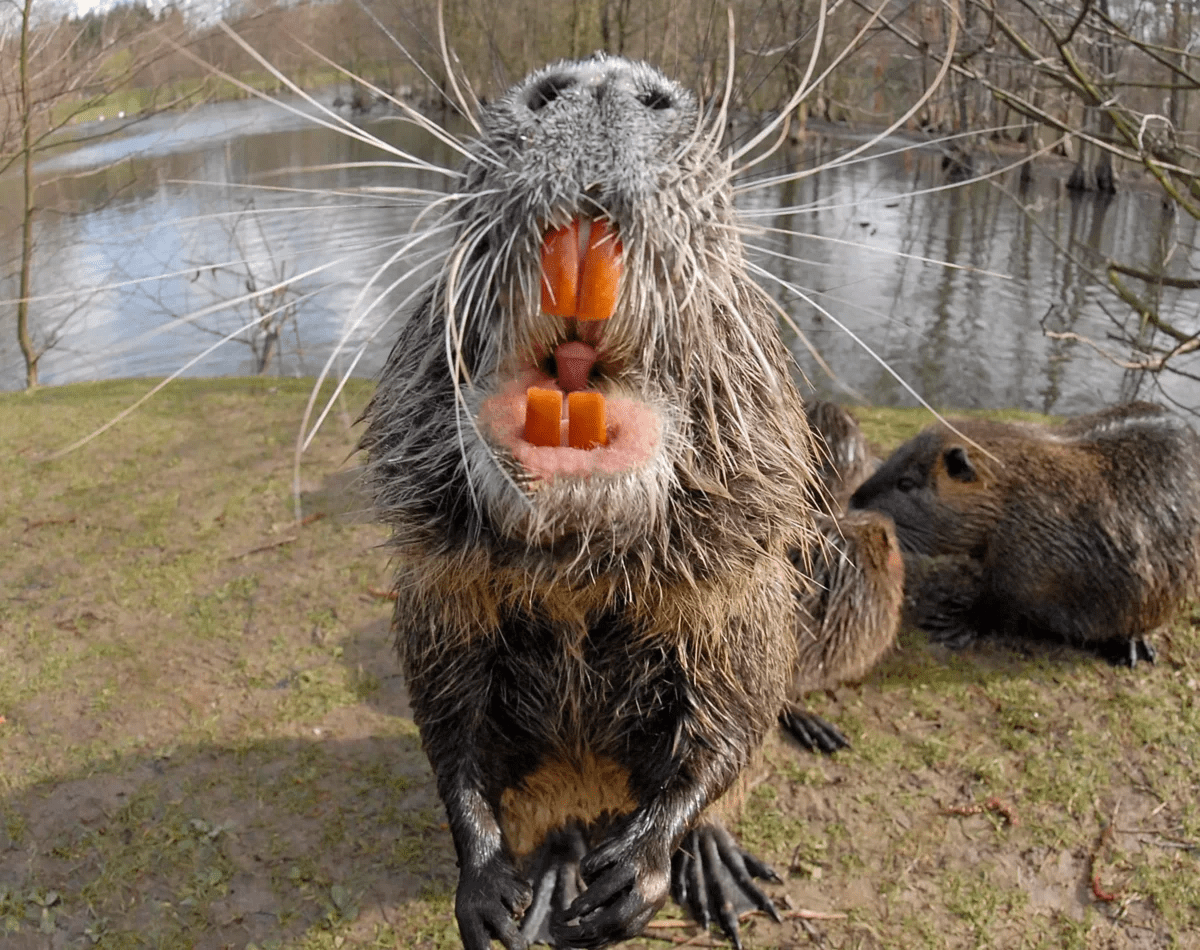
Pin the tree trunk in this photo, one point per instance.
(1097, 174)
(28, 351)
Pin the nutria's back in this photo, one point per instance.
(1089, 531)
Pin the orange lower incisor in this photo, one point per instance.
(585, 420)
(543, 417)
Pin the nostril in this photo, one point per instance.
(547, 90)
(656, 99)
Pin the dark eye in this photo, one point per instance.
(655, 99)
(546, 91)
(906, 484)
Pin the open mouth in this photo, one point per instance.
(564, 414)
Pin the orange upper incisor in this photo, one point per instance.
(583, 288)
(560, 271)
(601, 274)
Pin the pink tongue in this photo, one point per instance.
(574, 361)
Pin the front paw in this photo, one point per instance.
(488, 904)
(627, 883)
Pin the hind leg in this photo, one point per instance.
(942, 597)
(1127, 652)
(556, 881)
(713, 880)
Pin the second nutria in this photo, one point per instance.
(849, 616)
(596, 635)
(1088, 532)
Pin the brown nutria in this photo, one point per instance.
(849, 616)
(1088, 532)
(596, 638)
(845, 461)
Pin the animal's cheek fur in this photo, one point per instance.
(963, 512)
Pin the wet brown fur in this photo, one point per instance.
(1089, 531)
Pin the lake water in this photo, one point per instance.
(181, 214)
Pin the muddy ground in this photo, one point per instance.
(204, 742)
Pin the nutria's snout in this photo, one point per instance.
(582, 168)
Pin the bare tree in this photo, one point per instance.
(62, 70)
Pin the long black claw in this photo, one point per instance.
(712, 879)
(626, 884)
(699, 887)
(811, 731)
(743, 868)
(556, 881)
(1143, 650)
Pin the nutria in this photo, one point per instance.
(1087, 532)
(844, 459)
(849, 616)
(596, 638)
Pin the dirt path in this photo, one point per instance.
(204, 741)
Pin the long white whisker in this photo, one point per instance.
(802, 90)
(890, 252)
(808, 299)
(951, 44)
(338, 123)
(305, 436)
(324, 192)
(813, 351)
(303, 441)
(787, 285)
(411, 115)
(931, 190)
(908, 147)
(219, 306)
(467, 111)
(718, 129)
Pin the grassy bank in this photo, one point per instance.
(205, 743)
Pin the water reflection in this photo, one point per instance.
(951, 287)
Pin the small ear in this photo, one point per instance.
(958, 464)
